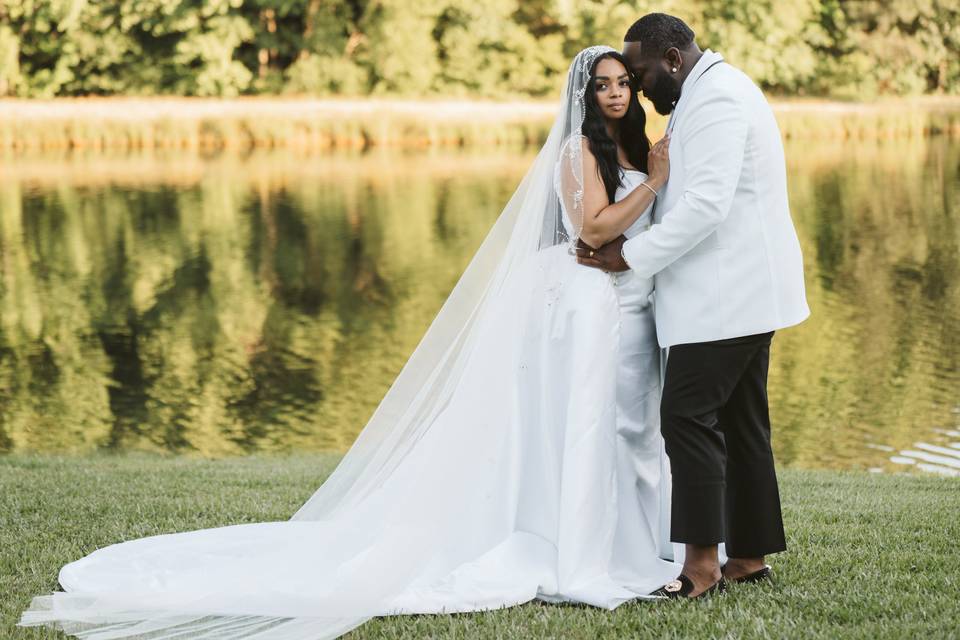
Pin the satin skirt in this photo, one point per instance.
(542, 477)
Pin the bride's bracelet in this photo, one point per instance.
(652, 190)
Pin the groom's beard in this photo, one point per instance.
(664, 94)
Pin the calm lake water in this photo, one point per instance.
(228, 305)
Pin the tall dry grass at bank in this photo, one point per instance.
(209, 125)
(204, 124)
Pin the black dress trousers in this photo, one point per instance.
(716, 429)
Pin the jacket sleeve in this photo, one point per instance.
(714, 139)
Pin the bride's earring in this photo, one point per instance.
(673, 70)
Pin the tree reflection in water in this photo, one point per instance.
(230, 305)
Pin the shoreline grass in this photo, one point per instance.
(212, 125)
(869, 556)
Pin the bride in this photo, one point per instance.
(516, 456)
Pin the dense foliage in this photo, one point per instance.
(844, 48)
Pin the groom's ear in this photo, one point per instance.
(672, 58)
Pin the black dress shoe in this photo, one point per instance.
(683, 586)
(761, 575)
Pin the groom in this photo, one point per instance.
(728, 273)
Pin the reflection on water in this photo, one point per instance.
(879, 361)
(266, 303)
(941, 460)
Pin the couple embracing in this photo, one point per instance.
(584, 421)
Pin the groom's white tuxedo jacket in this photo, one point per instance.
(723, 251)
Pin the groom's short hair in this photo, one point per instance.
(657, 32)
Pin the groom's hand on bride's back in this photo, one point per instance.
(607, 257)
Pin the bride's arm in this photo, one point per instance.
(604, 221)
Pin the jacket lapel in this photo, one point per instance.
(707, 60)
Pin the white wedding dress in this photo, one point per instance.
(519, 457)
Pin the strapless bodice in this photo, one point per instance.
(633, 291)
(631, 179)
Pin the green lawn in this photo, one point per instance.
(870, 556)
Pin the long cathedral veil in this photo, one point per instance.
(545, 210)
(328, 569)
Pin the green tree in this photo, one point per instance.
(844, 48)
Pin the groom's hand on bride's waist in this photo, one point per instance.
(607, 257)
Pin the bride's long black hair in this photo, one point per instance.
(632, 130)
